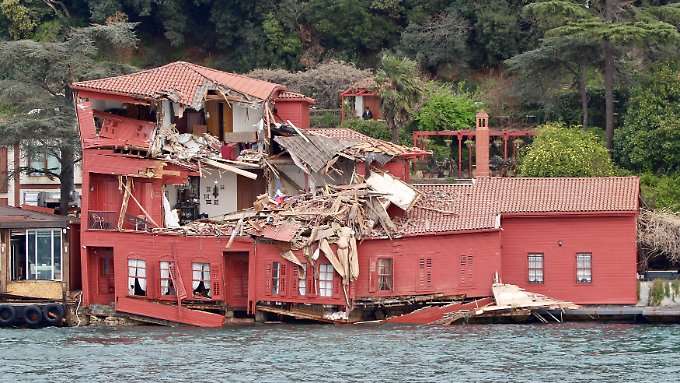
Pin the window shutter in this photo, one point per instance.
(465, 271)
(268, 279)
(215, 281)
(296, 281)
(372, 276)
(311, 279)
(282, 279)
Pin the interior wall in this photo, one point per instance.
(225, 201)
(246, 117)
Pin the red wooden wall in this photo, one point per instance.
(156, 248)
(295, 111)
(421, 265)
(373, 103)
(611, 240)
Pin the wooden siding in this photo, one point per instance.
(611, 240)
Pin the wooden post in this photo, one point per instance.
(460, 155)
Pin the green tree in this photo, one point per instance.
(650, 137)
(614, 25)
(558, 151)
(354, 27)
(400, 88)
(497, 32)
(446, 109)
(437, 41)
(661, 192)
(21, 21)
(35, 92)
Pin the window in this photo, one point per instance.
(40, 161)
(385, 274)
(137, 277)
(326, 280)
(36, 254)
(302, 281)
(167, 288)
(584, 272)
(200, 279)
(535, 268)
(276, 278)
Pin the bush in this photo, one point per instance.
(323, 83)
(324, 119)
(661, 192)
(649, 139)
(558, 151)
(376, 129)
(445, 109)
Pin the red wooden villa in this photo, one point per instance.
(165, 234)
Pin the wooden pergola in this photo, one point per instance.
(462, 135)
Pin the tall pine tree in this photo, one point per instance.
(613, 25)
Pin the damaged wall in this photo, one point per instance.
(217, 192)
(156, 248)
(246, 117)
(421, 265)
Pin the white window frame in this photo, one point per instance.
(27, 273)
(538, 275)
(385, 280)
(276, 278)
(302, 281)
(326, 280)
(584, 268)
(200, 272)
(137, 270)
(166, 280)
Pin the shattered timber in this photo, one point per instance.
(208, 199)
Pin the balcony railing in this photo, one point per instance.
(102, 220)
(108, 220)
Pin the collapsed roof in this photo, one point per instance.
(184, 83)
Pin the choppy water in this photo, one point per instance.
(316, 353)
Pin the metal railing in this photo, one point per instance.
(108, 220)
(102, 220)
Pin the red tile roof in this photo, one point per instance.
(185, 81)
(369, 144)
(476, 206)
(562, 194)
(293, 96)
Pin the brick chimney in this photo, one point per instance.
(482, 145)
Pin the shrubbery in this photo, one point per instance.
(445, 109)
(558, 151)
(376, 129)
(661, 192)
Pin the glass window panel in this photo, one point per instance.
(56, 237)
(53, 164)
(18, 245)
(535, 271)
(32, 271)
(37, 160)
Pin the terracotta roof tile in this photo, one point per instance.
(476, 206)
(369, 144)
(184, 80)
(293, 96)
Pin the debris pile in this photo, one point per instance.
(306, 218)
(337, 215)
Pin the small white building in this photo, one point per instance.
(18, 189)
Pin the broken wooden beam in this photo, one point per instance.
(230, 168)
